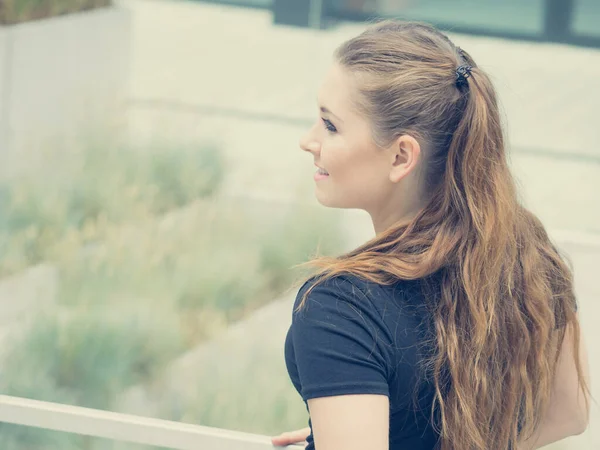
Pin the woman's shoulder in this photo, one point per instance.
(392, 317)
(359, 292)
(340, 286)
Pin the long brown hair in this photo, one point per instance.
(506, 294)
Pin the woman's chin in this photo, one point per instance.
(329, 202)
(323, 199)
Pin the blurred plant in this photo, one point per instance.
(211, 262)
(183, 175)
(35, 385)
(98, 188)
(151, 264)
(220, 395)
(147, 292)
(87, 355)
(17, 437)
(84, 357)
(246, 390)
(304, 234)
(15, 11)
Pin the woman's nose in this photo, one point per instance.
(309, 144)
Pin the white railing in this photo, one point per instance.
(126, 428)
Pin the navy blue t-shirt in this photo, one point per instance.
(357, 337)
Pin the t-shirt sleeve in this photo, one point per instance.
(341, 344)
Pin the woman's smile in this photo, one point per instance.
(320, 174)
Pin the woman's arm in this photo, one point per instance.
(350, 422)
(568, 411)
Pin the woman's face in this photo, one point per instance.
(341, 143)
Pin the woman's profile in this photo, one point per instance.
(456, 326)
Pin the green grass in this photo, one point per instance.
(88, 355)
(211, 262)
(16, 11)
(95, 188)
(84, 357)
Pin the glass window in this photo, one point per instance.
(510, 16)
(254, 3)
(586, 19)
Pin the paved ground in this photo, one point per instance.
(226, 74)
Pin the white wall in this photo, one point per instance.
(3, 90)
(59, 78)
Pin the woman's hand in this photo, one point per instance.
(291, 437)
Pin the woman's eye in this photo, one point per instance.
(330, 127)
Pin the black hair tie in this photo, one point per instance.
(462, 73)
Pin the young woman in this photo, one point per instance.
(455, 328)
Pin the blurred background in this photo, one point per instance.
(153, 198)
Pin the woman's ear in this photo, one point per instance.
(405, 154)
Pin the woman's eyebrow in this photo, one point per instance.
(326, 111)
